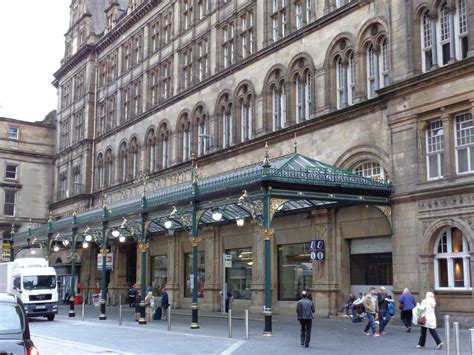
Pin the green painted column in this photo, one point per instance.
(143, 246)
(194, 242)
(103, 251)
(267, 233)
(73, 273)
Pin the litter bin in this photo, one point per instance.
(78, 299)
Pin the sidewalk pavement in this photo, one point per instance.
(329, 336)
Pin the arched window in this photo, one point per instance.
(444, 38)
(371, 169)
(224, 121)
(100, 171)
(244, 112)
(123, 162)
(383, 64)
(452, 261)
(108, 178)
(372, 63)
(303, 97)
(227, 126)
(134, 150)
(151, 150)
(278, 107)
(164, 134)
(246, 120)
(345, 80)
(203, 139)
(301, 91)
(426, 42)
(185, 135)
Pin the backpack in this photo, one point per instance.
(391, 308)
(157, 314)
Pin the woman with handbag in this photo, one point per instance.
(427, 320)
(407, 303)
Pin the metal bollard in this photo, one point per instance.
(120, 309)
(456, 338)
(471, 331)
(230, 323)
(246, 324)
(447, 334)
(82, 311)
(169, 318)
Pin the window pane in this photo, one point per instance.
(188, 269)
(458, 272)
(159, 273)
(10, 172)
(433, 166)
(239, 276)
(462, 161)
(443, 272)
(295, 270)
(442, 244)
(9, 206)
(456, 238)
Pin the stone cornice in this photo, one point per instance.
(126, 23)
(71, 63)
(28, 154)
(433, 192)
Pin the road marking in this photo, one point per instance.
(153, 330)
(233, 348)
(82, 346)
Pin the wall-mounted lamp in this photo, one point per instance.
(240, 222)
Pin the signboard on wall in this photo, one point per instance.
(109, 262)
(6, 250)
(317, 250)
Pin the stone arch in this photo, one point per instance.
(163, 143)
(184, 129)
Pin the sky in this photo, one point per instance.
(31, 48)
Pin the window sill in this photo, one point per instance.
(460, 291)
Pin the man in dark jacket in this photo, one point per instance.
(165, 303)
(305, 310)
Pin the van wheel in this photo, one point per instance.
(50, 318)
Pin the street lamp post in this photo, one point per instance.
(104, 251)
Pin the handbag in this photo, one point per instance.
(421, 320)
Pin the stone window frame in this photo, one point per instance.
(247, 29)
(167, 27)
(111, 111)
(13, 133)
(301, 73)
(202, 58)
(101, 117)
(134, 158)
(468, 138)
(163, 148)
(77, 186)
(151, 150)
(123, 161)
(99, 183)
(447, 254)
(200, 122)
(276, 99)
(11, 192)
(225, 113)
(16, 172)
(109, 167)
(65, 125)
(63, 191)
(435, 147)
(186, 15)
(154, 29)
(79, 84)
(228, 43)
(136, 99)
(368, 169)
(449, 20)
(245, 107)
(166, 70)
(184, 128)
(187, 67)
(279, 12)
(79, 125)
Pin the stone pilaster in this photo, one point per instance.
(213, 265)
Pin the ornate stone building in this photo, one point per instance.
(27, 151)
(382, 88)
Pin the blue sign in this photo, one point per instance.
(318, 255)
(317, 245)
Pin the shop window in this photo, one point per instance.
(452, 260)
(159, 273)
(239, 276)
(188, 269)
(295, 270)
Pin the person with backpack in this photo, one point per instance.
(383, 301)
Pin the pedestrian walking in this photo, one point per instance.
(305, 310)
(165, 303)
(407, 303)
(132, 295)
(384, 315)
(427, 320)
(138, 298)
(149, 306)
(370, 305)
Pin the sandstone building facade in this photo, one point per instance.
(383, 88)
(27, 151)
